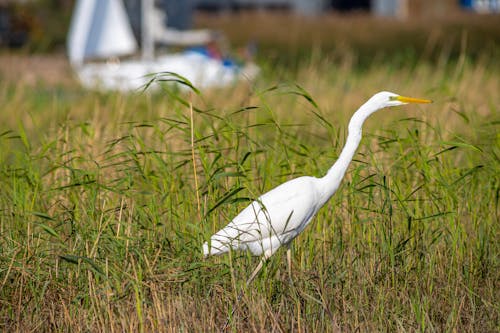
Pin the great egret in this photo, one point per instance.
(281, 214)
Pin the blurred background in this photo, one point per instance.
(282, 33)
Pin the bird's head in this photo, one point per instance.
(386, 99)
(379, 101)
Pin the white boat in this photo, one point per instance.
(100, 37)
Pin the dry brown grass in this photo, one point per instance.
(364, 39)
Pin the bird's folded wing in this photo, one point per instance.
(277, 213)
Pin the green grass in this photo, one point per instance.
(106, 199)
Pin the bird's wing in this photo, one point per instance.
(281, 211)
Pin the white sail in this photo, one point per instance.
(99, 29)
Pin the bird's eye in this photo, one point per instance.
(393, 98)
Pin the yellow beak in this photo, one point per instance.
(412, 100)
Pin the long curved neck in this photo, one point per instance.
(331, 181)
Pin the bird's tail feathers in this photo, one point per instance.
(215, 248)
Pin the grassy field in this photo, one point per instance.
(106, 199)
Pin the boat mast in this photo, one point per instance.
(147, 7)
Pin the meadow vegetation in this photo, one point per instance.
(106, 199)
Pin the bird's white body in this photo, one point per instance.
(281, 214)
(272, 220)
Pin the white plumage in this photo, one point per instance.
(274, 219)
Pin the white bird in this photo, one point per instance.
(281, 214)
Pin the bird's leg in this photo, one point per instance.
(289, 264)
(256, 270)
(240, 295)
(289, 261)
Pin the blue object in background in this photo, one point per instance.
(466, 3)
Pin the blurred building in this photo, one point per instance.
(404, 9)
(299, 6)
(392, 8)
